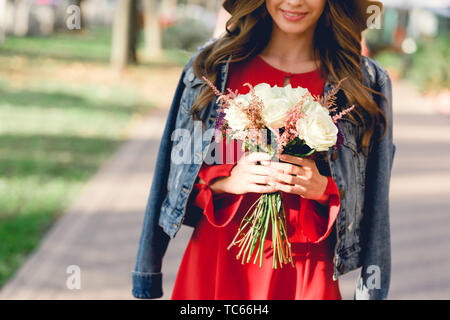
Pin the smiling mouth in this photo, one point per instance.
(293, 14)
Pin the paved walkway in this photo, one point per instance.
(100, 233)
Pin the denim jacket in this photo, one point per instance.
(361, 235)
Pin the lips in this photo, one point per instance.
(293, 16)
(293, 13)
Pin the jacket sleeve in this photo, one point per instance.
(147, 276)
(374, 278)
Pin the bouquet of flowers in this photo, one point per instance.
(275, 120)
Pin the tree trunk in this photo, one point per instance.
(2, 20)
(123, 49)
(134, 31)
(153, 46)
(21, 17)
(78, 3)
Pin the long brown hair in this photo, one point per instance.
(338, 46)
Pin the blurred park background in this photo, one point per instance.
(85, 87)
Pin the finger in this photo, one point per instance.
(296, 160)
(260, 179)
(253, 157)
(258, 188)
(288, 179)
(290, 189)
(286, 168)
(257, 156)
(261, 170)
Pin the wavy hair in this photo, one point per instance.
(337, 46)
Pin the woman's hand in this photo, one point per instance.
(246, 176)
(300, 176)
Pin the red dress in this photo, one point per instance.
(210, 271)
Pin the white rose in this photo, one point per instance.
(276, 104)
(234, 113)
(275, 112)
(295, 94)
(317, 128)
(263, 89)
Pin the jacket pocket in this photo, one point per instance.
(352, 164)
(349, 130)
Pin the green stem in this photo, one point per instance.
(263, 235)
(274, 238)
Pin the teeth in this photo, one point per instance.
(292, 14)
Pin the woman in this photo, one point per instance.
(342, 222)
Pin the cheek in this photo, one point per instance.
(316, 6)
(272, 5)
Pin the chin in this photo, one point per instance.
(292, 30)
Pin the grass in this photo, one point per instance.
(63, 113)
(88, 46)
(80, 46)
